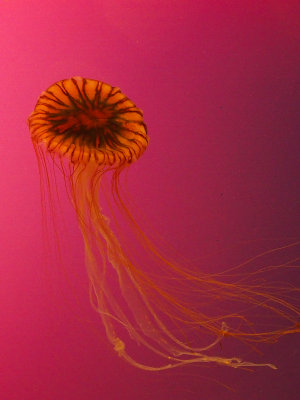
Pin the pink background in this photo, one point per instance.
(219, 85)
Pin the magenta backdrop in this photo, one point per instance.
(219, 85)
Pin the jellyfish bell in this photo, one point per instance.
(86, 121)
(92, 129)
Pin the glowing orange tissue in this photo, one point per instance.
(91, 132)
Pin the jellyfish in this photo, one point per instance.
(91, 132)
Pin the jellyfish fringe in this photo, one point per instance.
(161, 309)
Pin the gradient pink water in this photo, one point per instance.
(219, 84)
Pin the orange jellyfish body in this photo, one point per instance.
(93, 130)
(89, 121)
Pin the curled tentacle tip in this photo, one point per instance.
(119, 346)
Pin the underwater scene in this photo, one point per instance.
(150, 213)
